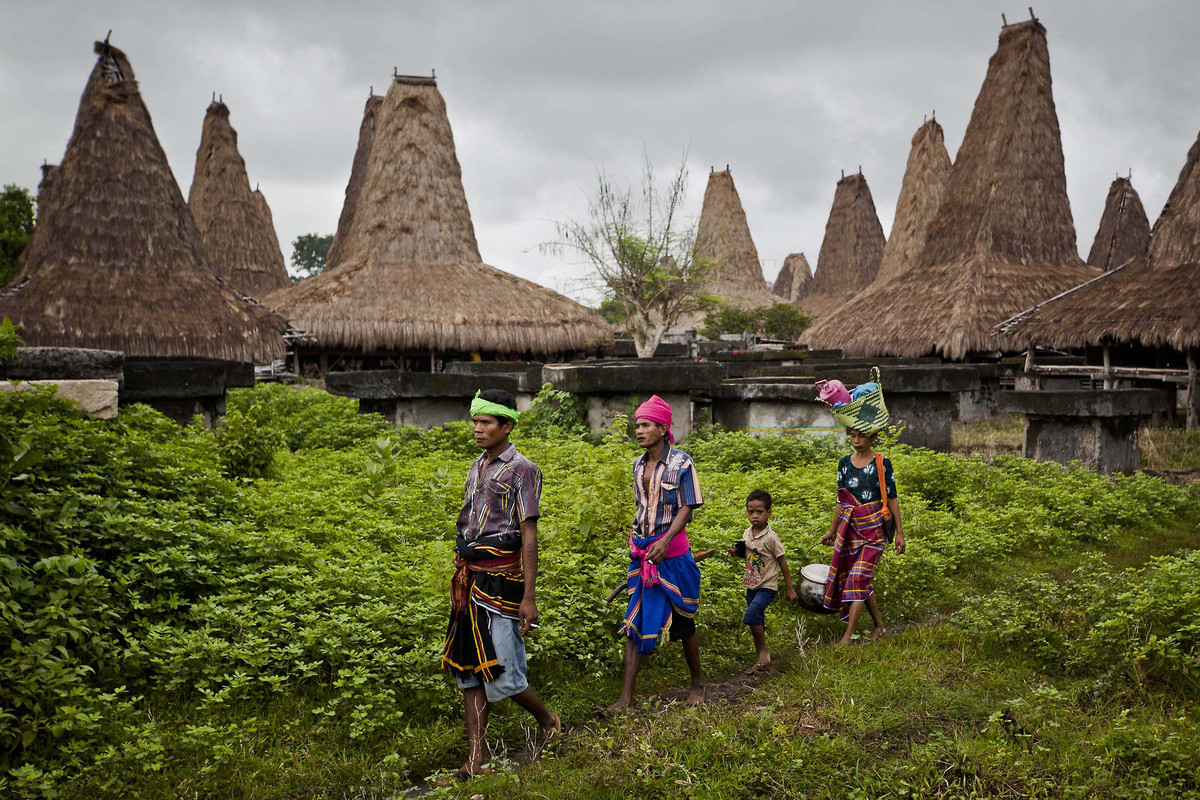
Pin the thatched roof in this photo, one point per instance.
(358, 176)
(240, 242)
(264, 211)
(1003, 238)
(410, 276)
(1153, 300)
(118, 264)
(45, 190)
(851, 250)
(1124, 229)
(795, 279)
(723, 236)
(921, 194)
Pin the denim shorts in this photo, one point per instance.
(510, 652)
(757, 601)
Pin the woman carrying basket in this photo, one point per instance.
(866, 515)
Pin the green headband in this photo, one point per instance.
(481, 406)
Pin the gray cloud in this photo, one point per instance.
(788, 94)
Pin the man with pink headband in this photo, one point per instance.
(663, 579)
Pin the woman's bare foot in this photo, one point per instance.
(696, 695)
(878, 633)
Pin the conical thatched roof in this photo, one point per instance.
(795, 279)
(921, 193)
(264, 211)
(1153, 300)
(1124, 229)
(241, 244)
(45, 190)
(723, 236)
(1003, 238)
(358, 176)
(851, 250)
(118, 264)
(410, 275)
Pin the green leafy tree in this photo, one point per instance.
(16, 226)
(642, 253)
(783, 321)
(612, 311)
(778, 321)
(10, 340)
(308, 255)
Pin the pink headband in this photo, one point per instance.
(657, 411)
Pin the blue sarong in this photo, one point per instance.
(651, 608)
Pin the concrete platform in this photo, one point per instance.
(420, 399)
(1098, 428)
(183, 387)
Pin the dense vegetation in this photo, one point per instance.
(258, 612)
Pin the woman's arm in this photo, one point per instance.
(894, 507)
(829, 537)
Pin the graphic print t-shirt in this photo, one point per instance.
(762, 559)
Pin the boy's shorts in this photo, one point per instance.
(757, 601)
(510, 652)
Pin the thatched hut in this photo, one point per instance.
(1003, 238)
(240, 242)
(921, 193)
(795, 279)
(410, 279)
(1124, 229)
(851, 250)
(723, 237)
(119, 264)
(358, 175)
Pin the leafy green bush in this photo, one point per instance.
(310, 419)
(554, 414)
(777, 321)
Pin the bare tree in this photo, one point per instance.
(641, 252)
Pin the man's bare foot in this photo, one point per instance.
(619, 707)
(762, 664)
(465, 773)
(878, 633)
(841, 643)
(696, 695)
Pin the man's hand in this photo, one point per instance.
(528, 614)
(657, 552)
(899, 542)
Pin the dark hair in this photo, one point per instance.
(759, 494)
(501, 398)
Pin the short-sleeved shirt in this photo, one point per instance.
(864, 483)
(499, 496)
(673, 484)
(762, 559)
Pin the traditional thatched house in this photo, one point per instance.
(1124, 229)
(410, 285)
(795, 279)
(118, 263)
(1002, 239)
(723, 237)
(264, 211)
(45, 190)
(240, 242)
(358, 176)
(1147, 308)
(921, 193)
(851, 250)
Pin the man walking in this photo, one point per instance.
(493, 597)
(663, 576)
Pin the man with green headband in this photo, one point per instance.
(493, 601)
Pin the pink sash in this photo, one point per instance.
(678, 546)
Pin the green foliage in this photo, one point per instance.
(612, 311)
(169, 628)
(308, 255)
(554, 414)
(776, 321)
(16, 226)
(10, 340)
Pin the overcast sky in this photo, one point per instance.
(787, 93)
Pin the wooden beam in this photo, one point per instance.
(1193, 406)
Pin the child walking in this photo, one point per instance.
(765, 560)
(866, 487)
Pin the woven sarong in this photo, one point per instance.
(490, 585)
(856, 551)
(659, 591)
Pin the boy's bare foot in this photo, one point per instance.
(763, 663)
(878, 633)
(696, 695)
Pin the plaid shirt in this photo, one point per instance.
(673, 483)
(499, 496)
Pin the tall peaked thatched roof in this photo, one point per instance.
(921, 193)
(241, 244)
(358, 176)
(118, 264)
(723, 236)
(1124, 229)
(1152, 299)
(410, 275)
(1003, 238)
(795, 279)
(264, 211)
(45, 190)
(851, 250)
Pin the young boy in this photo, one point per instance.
(765, 560)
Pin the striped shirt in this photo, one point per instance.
(673, 484)
(499, 496)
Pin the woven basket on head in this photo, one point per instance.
(868, 414)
